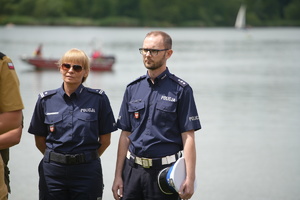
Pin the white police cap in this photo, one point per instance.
(171, 178)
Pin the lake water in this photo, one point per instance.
(247, 89)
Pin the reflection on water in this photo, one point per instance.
(246, 85)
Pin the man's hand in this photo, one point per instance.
(117, 188)
(187, 189)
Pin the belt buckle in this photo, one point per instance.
(146, 162)
(71, 159)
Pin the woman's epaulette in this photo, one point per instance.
(47, 93)
(97, 91)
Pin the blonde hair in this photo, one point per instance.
(76, 56)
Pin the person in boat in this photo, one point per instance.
(11, 106)
(158, 118)
(72, 126)
(96, 54)
(38, 51)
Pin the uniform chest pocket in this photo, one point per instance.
(136, 111)
(166, 106)
(54, 124)
(165, 113)
(136, 106)
(53, 119)
(88, 117)
(87, 123)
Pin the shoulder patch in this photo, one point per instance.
(10, 65)
(137, 80)
(47, 93)
(96, 91)
(178, 80)
(2, 55)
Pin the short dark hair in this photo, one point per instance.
(166, 37)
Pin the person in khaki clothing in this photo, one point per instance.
(11, 106)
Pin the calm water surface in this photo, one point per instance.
(246, 85)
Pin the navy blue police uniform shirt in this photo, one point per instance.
(72, 124)
(156, 115)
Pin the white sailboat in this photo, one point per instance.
(240, 21)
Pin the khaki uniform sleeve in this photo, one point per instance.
(10, 97)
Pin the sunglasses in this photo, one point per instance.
(67, 67)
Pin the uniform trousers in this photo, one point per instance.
(70, 182)
(142, 184)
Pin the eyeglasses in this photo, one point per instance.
(76, 68)
(153, 52)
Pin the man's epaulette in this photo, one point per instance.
(47, 93)
(2, 55)
(97, 91)
(178, 80)
(137, 80)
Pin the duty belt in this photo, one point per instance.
(153, 162)
(71, 159)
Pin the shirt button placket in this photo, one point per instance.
(70, 124)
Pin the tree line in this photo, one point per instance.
(166, 13)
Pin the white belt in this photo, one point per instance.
(148, 162)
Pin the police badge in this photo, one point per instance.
(51, 128)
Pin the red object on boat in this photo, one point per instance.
(103, 63)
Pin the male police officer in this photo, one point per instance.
(158, 118)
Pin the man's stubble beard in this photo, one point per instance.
(154, 65)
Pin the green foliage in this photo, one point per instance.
(292, 11)
(119, 21)
(46, 8)
(148, 12)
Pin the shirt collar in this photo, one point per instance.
(162, 76)
(76, 93)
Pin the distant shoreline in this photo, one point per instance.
(123, 22)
